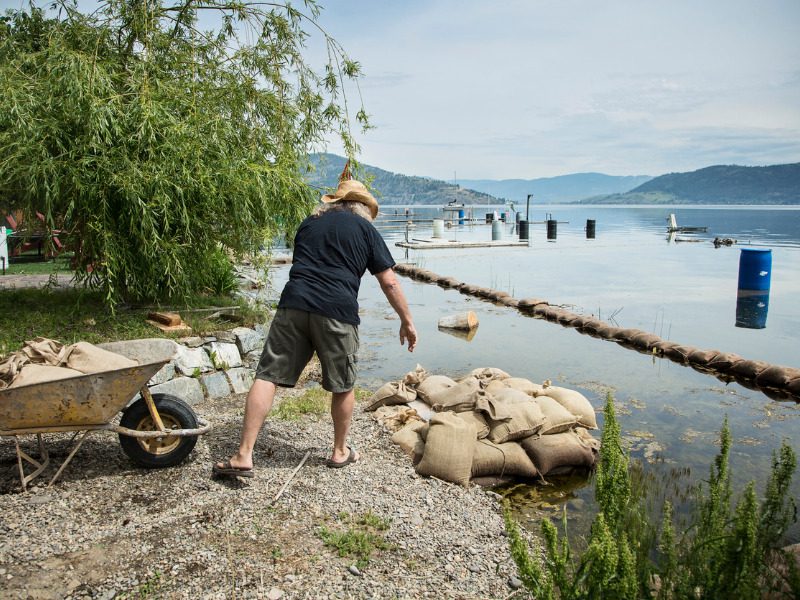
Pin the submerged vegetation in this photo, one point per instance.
(725, 552)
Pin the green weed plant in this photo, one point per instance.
(725, 552)
(360, 537)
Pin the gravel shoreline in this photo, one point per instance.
(109, 529)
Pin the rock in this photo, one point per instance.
(164, 374)
(225, 336)
(474, 568)
(247, 340)
(514, 583)
(187, 389)
(224, 355)
(192, 342)
(215, 384)
(354, 571)
(189, 359)
(241, 379)
(275, 594)
(252, 358)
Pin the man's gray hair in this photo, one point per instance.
(354, 207)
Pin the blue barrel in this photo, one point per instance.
(460, 216)
(751, 309)
(755, 269)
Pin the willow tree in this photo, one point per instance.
(159, 143)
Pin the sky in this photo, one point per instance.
(538, 88)
(462, 89)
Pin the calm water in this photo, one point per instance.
(634, 276)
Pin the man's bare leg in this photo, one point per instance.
(342, 413)
(256, 409)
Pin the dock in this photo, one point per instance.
(418, 244)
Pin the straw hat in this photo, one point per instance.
(353, 191)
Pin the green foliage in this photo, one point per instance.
(719, 184)
(360, 537)
(313, 401)
(393, 188)
(158, 148)
(725, 553)
(70, 315)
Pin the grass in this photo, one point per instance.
(313, 401)
(360, 537)
(40, 267)
(71, 315)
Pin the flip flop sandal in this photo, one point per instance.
(226, 469)
(351, 458)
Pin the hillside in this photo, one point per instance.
(720, 184)
(392, 188)
(563, 188)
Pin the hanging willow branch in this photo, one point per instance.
(162, 145)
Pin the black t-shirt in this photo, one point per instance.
(331, 253)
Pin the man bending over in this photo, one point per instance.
(318, 311)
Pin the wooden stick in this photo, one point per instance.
(296, 469)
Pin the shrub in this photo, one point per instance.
(725, 552)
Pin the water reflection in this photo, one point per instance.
(751, 309)
(459, 333)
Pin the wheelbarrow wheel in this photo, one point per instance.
(167, 451)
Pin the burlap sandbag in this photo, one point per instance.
(526, 419)
(557, 418)
(44, 351)
(10, 368)
(492, 409)
(413, 378)
(523, 385)
(575, 402)
(394, 417)
(33, 373)
(392, 393)
(508, 395)
(478, 421)
(432, 385)
(411, 440)
(88, 358)
(449, 447)
(458, 398)
(489, 373)
(775, 376)
(558, 452)
(499, 460)
(587, 437)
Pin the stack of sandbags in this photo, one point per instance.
(488, 424)
(41, 360)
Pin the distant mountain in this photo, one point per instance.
(563, 188)
(393, 188)
(721, 184)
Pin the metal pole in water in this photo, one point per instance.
(552, 229)
(497, 230)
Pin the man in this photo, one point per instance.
(318, 311)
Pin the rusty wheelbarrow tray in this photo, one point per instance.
(155, 431)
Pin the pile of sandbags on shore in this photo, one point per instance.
(487, 424)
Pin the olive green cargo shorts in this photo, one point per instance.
(293, 338)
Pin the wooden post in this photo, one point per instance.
(464, 321)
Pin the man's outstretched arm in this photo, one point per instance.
(394, 294)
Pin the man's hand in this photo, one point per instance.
(408, 332)
(394, 294)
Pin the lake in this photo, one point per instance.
(633, 275)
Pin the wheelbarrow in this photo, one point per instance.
(155, 430)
